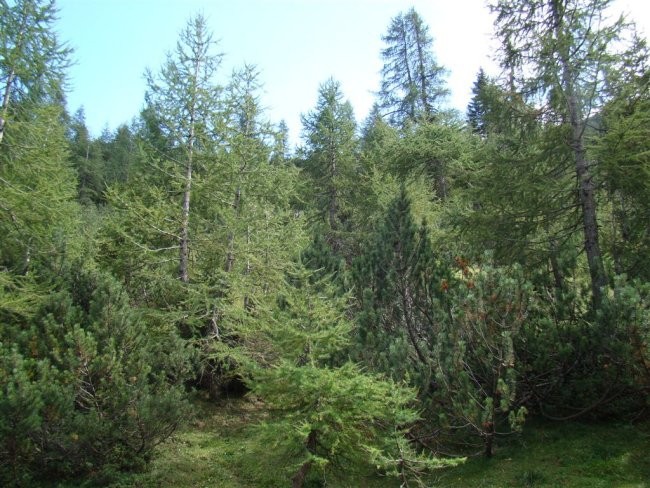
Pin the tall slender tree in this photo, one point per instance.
(412, 84)
(557, 52)
(184, 97)
(476, 108)
(32, 61)
(329, 155)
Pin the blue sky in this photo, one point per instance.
(296, 44)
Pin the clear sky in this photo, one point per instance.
(296, 44)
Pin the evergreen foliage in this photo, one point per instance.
(329, 159)
(435, 152)
(87, 159)
(196, 249)
(331, 414)
(476, 110)
(401, 292)
(622, 152)
(412, 83)
(86, 387)
(476, 370)
(557, 53)
(32, 61)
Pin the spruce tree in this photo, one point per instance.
(476, 109)
(87, 159)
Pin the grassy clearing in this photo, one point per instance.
(220, 449)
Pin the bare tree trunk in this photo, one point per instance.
(489, 442)
(185, 221)
(230, 257)
(5, 103)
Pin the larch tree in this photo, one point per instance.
(36, 181)
(329, 156)
(558, 52)
(248, 232)
(412, 82)
(329, 412)
(32, 61)
(518, 220)
(184, 97)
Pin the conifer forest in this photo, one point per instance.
(391, 298)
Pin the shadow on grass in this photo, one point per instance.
(572, 455)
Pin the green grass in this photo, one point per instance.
(220, 449)
(571, 455)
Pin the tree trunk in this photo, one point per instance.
(489, 444)
(424, 96)
(298, 479)
(230, 257)
(590, 225)
(185, 218)
(5, 104)
(585, 182)
(185, 224)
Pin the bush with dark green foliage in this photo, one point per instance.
(476, 368)
(86, 387)
(595, 365)
(400, 290)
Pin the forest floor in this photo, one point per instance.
(221, 448)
